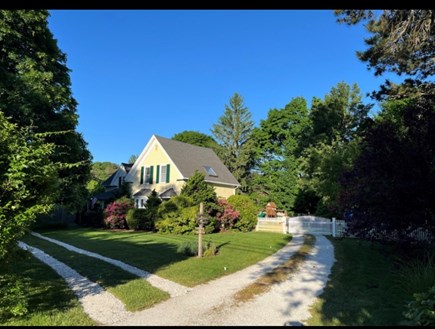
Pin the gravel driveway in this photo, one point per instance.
(211, 304)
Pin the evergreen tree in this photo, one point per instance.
(232, 132)
(198, 190)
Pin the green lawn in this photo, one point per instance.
(50, 301)
(157, 253)
(368, 286)
(136, 293)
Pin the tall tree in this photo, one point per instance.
(232, 132)
(390, 188)
(330, 145)
(338, 115)
(277, 150)
(35, 90)
(402, 41)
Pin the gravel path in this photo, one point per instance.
(174, 289)
(99, 304)
(211, 304)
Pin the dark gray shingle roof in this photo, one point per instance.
(188, 158)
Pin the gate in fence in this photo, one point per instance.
(301, 225)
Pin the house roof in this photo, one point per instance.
(188, 158)
(122, 170)
(111, 194)
(127, 166)
(108, 182)
(143, 192)
(169, 193)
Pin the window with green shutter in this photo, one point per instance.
(163, 174)
(147, 175)
(141, 175)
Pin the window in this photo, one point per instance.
(210, 171)
(148, 173)
(162, 175)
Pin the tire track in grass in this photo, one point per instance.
(174, 289)
(98, 303)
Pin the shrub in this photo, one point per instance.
(226, 216)
(13, 300)
(132, 218)
(248, 212)
(93, 218)
(180, 222)
(210, 249)
(175, 204)
(115, 213)
(188, 248)
(421, 311)
(140, 219)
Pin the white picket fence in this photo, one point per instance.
(301, 225)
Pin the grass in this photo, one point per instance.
(50, 301)
(157, 253)
(278, 274)
(367, 286)
(136, 293)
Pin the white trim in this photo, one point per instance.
(226, 184)
(144, 154)
(160, 173)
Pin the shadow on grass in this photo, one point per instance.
(45, 290)
(96, 270)
(362, 290)
(130, 247)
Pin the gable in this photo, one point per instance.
(184, 159)
(152, 155)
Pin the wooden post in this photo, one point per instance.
(334, 232)
(201, 213)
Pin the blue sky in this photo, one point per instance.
(136, 73)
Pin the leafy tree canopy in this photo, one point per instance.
(28, 181)
(195, 138)
(35, 91)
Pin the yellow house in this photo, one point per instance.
(165, 165)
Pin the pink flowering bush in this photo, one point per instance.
(226, 217)
(116, 212)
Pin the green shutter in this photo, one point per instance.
(141, 175)
(167, 173)
(151, 174)
(157, 174)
